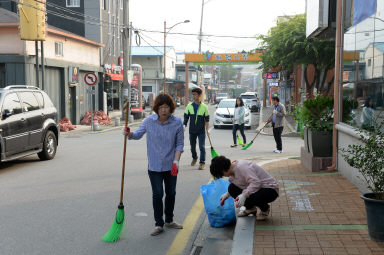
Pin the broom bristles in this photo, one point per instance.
(214, 154)
(239, 141)
(114, 232)
(247, 146)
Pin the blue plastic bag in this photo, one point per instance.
(218, 216)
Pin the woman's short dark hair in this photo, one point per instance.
(219, 165)
(164, 99)
(241, 102)
(197, 90)
(367, 104)
(276, 99)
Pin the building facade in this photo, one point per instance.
(151, 60)
(363, 74)
(68, 57)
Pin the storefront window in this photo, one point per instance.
(113, 95)
(363, 83)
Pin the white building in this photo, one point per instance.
(152, 61)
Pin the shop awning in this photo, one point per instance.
(192, 86)
(348, 85)
(115, 76)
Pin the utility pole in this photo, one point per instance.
(165, 55)
(201, 25)
(200, 38)
(126, 29)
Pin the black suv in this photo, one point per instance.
(28, 123)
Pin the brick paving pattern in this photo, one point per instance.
(314, 214)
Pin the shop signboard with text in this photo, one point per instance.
(136, 89)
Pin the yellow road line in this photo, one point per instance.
(189, 223)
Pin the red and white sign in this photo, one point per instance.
(90, 79)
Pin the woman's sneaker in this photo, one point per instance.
(263, 215)
(158, 230)
(243, 213)
(233, 145)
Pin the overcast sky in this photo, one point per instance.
(221, 17)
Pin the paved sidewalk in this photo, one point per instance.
(316, 213)
(84, 129)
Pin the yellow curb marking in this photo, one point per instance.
(189, 223)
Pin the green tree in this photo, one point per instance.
(228, 73)
(286, 45)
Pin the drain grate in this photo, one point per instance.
(196, 250)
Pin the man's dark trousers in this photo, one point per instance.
(277, 135)
(261, 198)
(192, 139)
(157, 179)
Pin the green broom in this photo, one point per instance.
(239, 141)
(249, 144)
(114, 232)
(214, 154)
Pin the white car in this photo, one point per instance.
(251, 99)
(221, 96)
(222, 118)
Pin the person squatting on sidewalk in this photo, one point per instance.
(165, 143)
(198, 115)
(277, 120)
(238, 121)
(251, 186)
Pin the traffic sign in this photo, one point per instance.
(90, 79)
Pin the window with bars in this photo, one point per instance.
(58, 48)
(73, 3)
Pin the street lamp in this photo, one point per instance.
(165, 52)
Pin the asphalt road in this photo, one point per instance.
(64, 206)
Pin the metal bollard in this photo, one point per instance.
(96, 126)
(117, 121)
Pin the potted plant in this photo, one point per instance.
(368, 158)
(317, 116)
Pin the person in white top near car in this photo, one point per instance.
(238, 121)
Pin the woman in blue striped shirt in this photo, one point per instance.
(165, 143)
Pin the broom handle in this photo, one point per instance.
(265, 123)
(124, 155)
(378, 115)
(209, 137)
(229, 114)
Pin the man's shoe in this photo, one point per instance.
(233, 145)
(277, 151)
(158, 230)
(173, 225)
(193, 162)
(202, 166)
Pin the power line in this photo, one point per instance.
(64, 16)
(155, 47)
(191, 34)
(99, 22)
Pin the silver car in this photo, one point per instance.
(251, 100)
